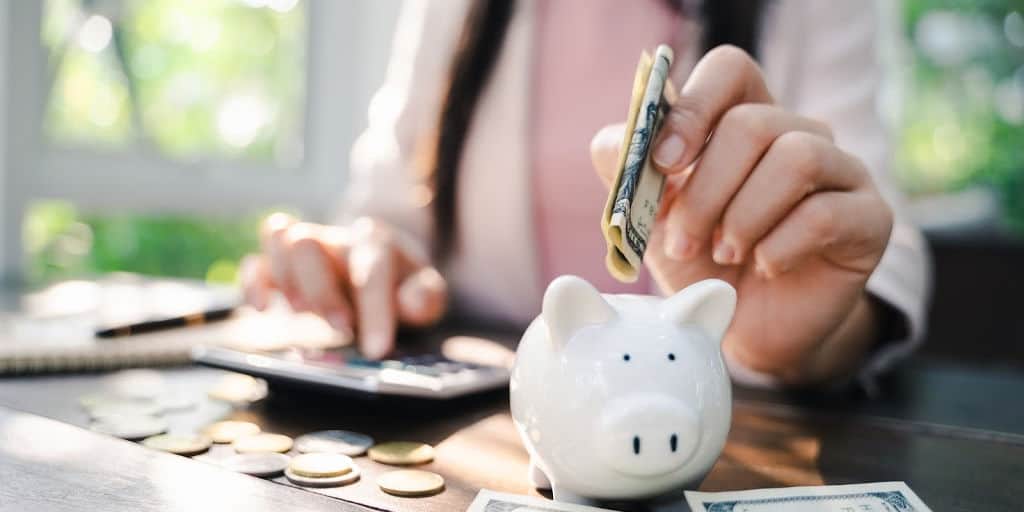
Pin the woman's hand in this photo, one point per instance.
(367, 277)
(764, 199)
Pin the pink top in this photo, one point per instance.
(585, 58)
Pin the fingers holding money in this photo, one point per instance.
(726, 76)
(740, 140)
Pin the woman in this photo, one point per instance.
(475, 163)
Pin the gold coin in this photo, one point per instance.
(238, 388)
(331, 481)
(228, 431)
(181, 445)
(402, 453)
(263, 443)
(411, 483)
(320, 465)
(131, 427)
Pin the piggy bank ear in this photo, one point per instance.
(709, 304)
(571, 303)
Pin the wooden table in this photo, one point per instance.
(955, 435)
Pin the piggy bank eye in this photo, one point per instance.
(625, 357)
(671, 356)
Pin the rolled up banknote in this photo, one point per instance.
(635, 195)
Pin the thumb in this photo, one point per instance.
(604, 151)
(422, 297)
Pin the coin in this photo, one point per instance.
(256, 464)
(131, 427)
(138, 383)
(176, 402)
(411, 483)
(344, 442)
(95, 399)
(239, 389)
(229, 431)
(179, 444)
(333, 481)
(112, 409)
(262, 442)
(320, 465)
(402, 453)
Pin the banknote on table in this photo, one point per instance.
(872, 497)
(634, 196)
(492, 501)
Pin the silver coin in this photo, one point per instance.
(97, 399)
(257, 464)
(140, 384)
(334, 481)
(126, 408)
(176, 402)
(132, 428)
(344, 442)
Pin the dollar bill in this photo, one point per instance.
(635, 195)
(492, 501)
(872, 497)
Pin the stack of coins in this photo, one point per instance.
(322, 470)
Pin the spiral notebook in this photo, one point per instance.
(53, 330)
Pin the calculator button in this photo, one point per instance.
(364, 363)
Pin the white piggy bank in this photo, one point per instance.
(623, 397)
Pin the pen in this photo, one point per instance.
(166, 323)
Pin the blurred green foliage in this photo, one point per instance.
(190, 78)
(962, 123)
(62, 242)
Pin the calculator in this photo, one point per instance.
(417, 369)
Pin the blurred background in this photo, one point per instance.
(151, 136)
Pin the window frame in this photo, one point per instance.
(345, 56)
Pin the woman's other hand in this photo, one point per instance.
(763, 198)
(366, 278)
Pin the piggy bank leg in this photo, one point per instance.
(564, 496)
(537, 477)
(669, 506)
(671, 502)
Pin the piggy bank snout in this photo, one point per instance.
(647, 435)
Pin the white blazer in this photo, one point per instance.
(819, 60)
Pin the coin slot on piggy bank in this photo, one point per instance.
(623, 397)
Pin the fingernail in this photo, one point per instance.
(412, 299)
(375, 347)
(762, 270)
(339, 323)
(724, 253)
(258, 300)
(678, 246)
(670, 151)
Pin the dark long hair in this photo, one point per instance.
(724, 22)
